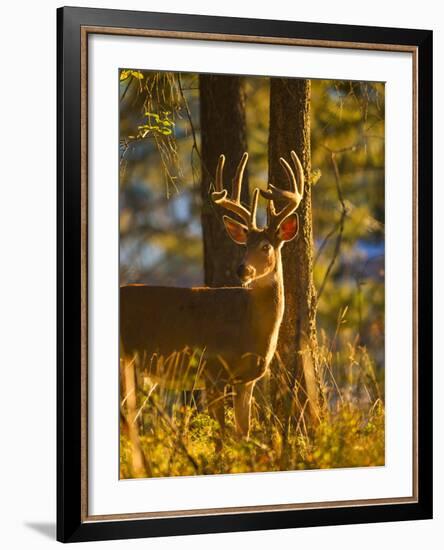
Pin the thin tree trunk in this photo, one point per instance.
(290, 130)
(222, 122)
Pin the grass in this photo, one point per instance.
(177, 437)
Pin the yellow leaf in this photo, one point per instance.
(137, 74)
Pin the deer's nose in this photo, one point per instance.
(245, 271)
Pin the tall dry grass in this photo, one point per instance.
(177, 437)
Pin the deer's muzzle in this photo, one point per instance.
(246, 272)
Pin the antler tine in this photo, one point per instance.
(220, 195)
(219, 173)
(271, 211)
(299, 173)
(290, 175)
(254, 202)
(292, 197)
(237, 181)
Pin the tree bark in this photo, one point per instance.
(223, 131)
(290, 130)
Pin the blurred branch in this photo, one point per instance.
(344, 212)
(190, 120)
(131, 78)
(193, 131)
(325, 241)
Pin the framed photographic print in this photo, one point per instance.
(245, 266)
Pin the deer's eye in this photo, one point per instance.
(266, 247)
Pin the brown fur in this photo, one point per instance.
(190, 338)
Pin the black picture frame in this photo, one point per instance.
(72, 525)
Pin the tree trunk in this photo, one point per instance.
(290, 130)
(222, 122)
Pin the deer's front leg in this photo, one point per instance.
(242, 407)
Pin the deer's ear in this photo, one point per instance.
(237, 231)
(289, 228)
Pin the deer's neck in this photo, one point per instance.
(268, 306)
(271, 285)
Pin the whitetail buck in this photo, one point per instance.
(189, 338)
